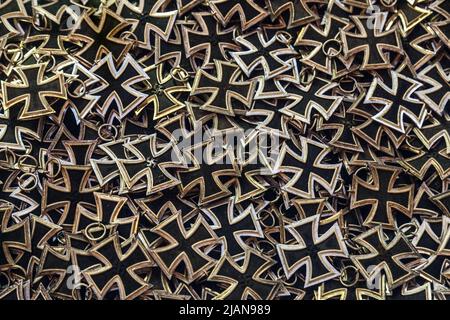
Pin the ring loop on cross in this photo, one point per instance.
(304, 76)
(124, 35)
(113, 133)
(283, 37)
(270, 252)
(344, 277)
(262, 218)
(327, 48)
(36, 16)
(93, 227)
(24, 178)
(52, 59)
(58, 166)
(14, 49)
(27, 168)
(354, 84)
(81, 92)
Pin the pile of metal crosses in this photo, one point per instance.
(224, 149)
